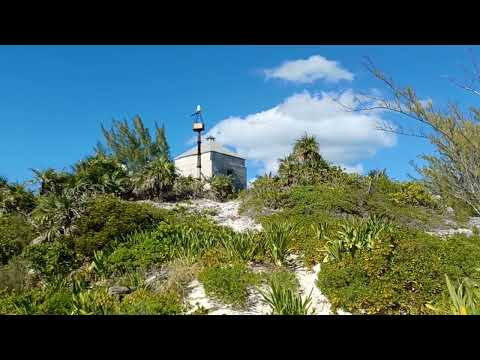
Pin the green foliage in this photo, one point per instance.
(167, 241)
(228, 284)
(356, 235)
(15, 276)
(187, 187)
(244, 246)
(94, 302)
(14, 198)
(278, 240)
(144, 302)
(133, 146)
(155, 179)
(465, 299)
(108, 218)
(305, 165)
(413, 193)
(15, 233)
(266, 192)
(401, 274)
(285, 301)
(222, 187)
(105, 174)
(52, 259)
(53, 182)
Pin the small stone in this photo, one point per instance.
(119, 290)
(449, 210)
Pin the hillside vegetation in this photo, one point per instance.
(92, 241)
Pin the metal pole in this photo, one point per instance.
(199, 156)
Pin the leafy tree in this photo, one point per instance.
(133, 146)
(454, 169)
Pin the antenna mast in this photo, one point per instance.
(198, 127)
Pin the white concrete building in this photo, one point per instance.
(216, 160)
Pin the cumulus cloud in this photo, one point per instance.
(309, 70)
(345, 137)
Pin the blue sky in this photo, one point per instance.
(54, 98)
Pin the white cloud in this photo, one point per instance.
(345, 137)
(309, 70)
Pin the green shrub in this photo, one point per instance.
(187, 187)
(14, 276)
(94, 302)
(15, 233)
(244, 246)
(413, 193)
(15, 199)
(166, 242)
(285, 301)
(144, 302)
(107, 219)
(228, 284)
(52, 259)
(356, 235)
(266, 192)
(278, 240)
(402, 274)
(222, 187)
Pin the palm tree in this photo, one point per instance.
(105, 174)
(15, 198)
(306, 148)
(288, 170)
(157, 178)
(51, 181)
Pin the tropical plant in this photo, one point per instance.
(55, 214)
(465, 298)
(222, 187)
(285, 301)
(355, 235)
(103, 173)
(15, 233)
(51, 181)
(304, 165)
(156, 179)
(14, 198)
(244, 246)
(278, 240)
(187, 187)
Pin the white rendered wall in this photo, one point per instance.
(187, 166)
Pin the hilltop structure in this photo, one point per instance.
(215, 160)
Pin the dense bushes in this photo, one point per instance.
(187, 187)
(401, 275)
(228, 283)
(222, 187)
(15, 233)
(107, 219)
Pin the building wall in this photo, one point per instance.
(214, 163)
(187, 166)
(229, 165)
